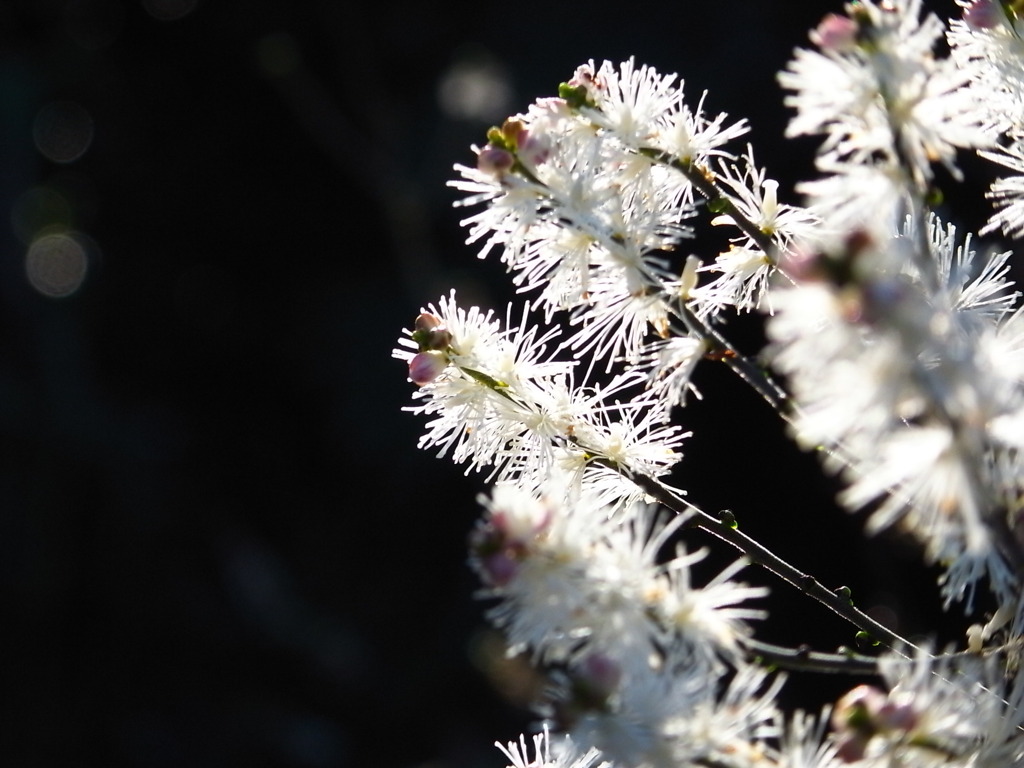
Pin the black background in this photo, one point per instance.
(219, 545)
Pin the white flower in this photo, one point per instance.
(572, 572)
(577, 578)
(629, 728)
(615, 322)
(589, 218)
(986, 45)
(741, 282)
(567, 756)
(671, 363)
(689, 136)
(635, 435)
(707, 622)
(482, 401)
(686, 717)
(853, 197)
(940, 710)
(499, 403)
(646, 110)
(802, 744)
(881, 96)
(984, 291)
(729, 727)
(756, 197)
(897, 366)
(1008, 192)
(631, 103)
(743, 271)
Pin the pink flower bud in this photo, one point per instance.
(430, 333)
(983, 14)
(835, 33)
(427, 322)
(884, 300)
(600, 674)
(499, 569)
(803, 265)
(851, 747)
(898, 716)
(495, 161)
(427, 366)
(533, 149)
(586, 77)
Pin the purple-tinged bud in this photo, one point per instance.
(600, 674)
(804, 265)
(494, 161)
(984, 14)
(427, 366)
(519, 529)
(533, 149)
(836, 33)
(425, 321)
(584, 76)
(884, 300)
(897, 716)
(593, 681)
(499, 569)
(429, 332)
(494, 554)
(499, 522)
(590, 81)
(851, 747)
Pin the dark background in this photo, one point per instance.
(219, 545)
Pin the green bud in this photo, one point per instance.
(865, 640)
(575, 96)
(496, 138)
(855, 711)
(718, 205)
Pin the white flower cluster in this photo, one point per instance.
(586, 586)
(496, 402)
(987, 43)
(910, 376)
(914, 387)
(589, 194)
(899, 342)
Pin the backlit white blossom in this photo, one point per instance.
(899, 343)
(880, 96)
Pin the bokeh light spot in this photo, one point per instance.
(475, 87)
(169, 10)
(56, 264)
(62, 131)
